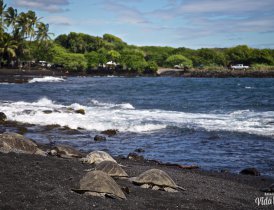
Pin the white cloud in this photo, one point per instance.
(60, 20)
(52, 6)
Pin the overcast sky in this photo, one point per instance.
(179, 23)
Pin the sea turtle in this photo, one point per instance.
(157, 180)
(111, 168)
(98, 183)
(13, 142)
(97, 157)
(65, 151)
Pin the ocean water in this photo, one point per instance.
(216, 123)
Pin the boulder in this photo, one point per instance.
(100, 138)
(139, 150)
(250, 171)
(80, 111)
(3, 117)
(110, 132)
(47, 111)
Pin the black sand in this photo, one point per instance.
(35, 182)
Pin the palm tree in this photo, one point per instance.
(32, 21)
(43, 34)
(8, 48)
(11, 17)
(2, 27)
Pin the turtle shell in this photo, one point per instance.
(67, 151)
(13, 142)
(97, 157)
(155, 177)
(111, 168)
(100, 182)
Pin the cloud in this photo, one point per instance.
(52, 6)
(123, 13)
(60, 20)
(204, 18)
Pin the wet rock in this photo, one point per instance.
(27, 111)
(214, 137)
(250, 171)
(3, 117)
(22, 130)
(80, 111)
(135, 156)
(139, 150)
(51, 127)
(110, 132)
(100, 138)
(47, 111)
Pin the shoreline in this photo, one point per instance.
(23, 76)
(36, 182)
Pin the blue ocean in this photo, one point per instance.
(216, 123)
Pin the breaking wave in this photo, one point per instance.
(47, 79)
(101, 116)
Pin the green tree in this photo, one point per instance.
(93, 59)
(111, 38)
(113, 55)
(179, 60)
(133, 60)
(209, 57)
(71, 61)
(8, 48)
(151, 67)
(239, 54)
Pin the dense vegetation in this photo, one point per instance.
(23, 37)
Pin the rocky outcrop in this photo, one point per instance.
(250, 171)
(80, 111)
(100, 138)
(3, 117)
(110, 132)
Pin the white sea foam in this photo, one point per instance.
(101, 116)
(47, 79)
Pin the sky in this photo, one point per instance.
(177, 23)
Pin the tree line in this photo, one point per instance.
(24, 37)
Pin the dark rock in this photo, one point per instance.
(47, 111)
(214, 137)
(250, 171)
(22, 130)
(126, 190)
(224, 171)
(135, 156)
(110, 132)
(100, 138)
(139, 150)
(27, 111)
(80, 111)
(3, 117)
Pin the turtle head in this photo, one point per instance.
(53, 152)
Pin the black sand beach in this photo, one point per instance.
(36, 182)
